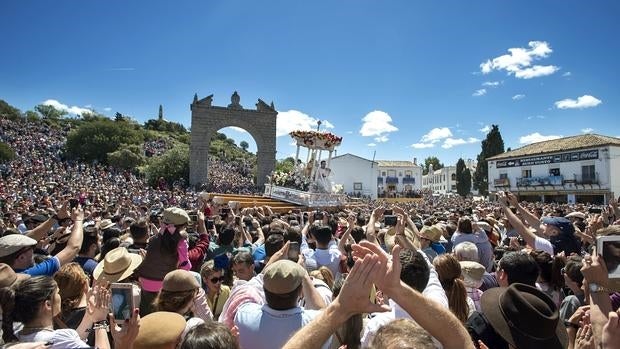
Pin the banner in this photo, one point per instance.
(548, 159)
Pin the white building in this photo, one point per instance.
(578, 169)
(442, 181)
(357, 175)
(398, 178)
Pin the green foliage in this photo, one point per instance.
(8, 111)
(463, 179)
(95, 139)
(224, 147)
(49, 112)
(126, 158)
(183, 138)
(244, 145)
(172, 166)
(285, 165)
(434, 161)
(491, 146)
(32, 116)
(164, 126)
(6, 153)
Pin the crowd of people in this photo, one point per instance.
(230, 176)
(91, 257)
(156, 147)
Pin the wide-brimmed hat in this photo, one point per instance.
(8, 276)
(390, 237)
(524, 316)
(117, 265)
(176, 216)
(12, 243)
(576, 214)
(472, 273)
(432, 232)
(160, 329)
(180, 280)
(105, 224)
(283, 277)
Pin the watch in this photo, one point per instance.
(596, 288)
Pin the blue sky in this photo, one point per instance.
(402, 78)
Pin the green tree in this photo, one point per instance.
(286, 165)
(173, 165)
(94, 140)
(6, 153)
(492, 145)
(8, 111)
(244, 145)
(434, 161)
(463, 179)
(32, 115)
(49, 112)
(125, 159)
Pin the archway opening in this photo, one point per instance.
(232, 162)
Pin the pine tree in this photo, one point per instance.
(463, 178)
(491, 146)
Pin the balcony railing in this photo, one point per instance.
(501, 182)
(539, 181)
(391, 180)
(409, 180)
(587, 179)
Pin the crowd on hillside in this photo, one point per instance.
(179, 269)
(156, 147)
(230, 176)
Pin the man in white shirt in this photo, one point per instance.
(272, 324)
(327, 253)
(418, 273)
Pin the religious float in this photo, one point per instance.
(308, 184)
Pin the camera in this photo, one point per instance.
(390, 220)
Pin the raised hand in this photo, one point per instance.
(611, 331)
(125, 334)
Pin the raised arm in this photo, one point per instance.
(525, 233)
(529, 217)
(40, 231)
(344, 239)
(371, 233)
(68, 254)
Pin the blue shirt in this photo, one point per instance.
(87, 263)
(46, 268)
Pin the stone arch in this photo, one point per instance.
(260, 123)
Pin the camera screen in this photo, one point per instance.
(121, 303)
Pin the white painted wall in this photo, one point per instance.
(400, 172)
(348, 169)
(614, 169)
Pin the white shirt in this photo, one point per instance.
(261, 327)
(433, 291)
(329, 257)
(543, 244)
(64, 338)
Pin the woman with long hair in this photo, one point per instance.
(449, 272)
(35, 302)
(73, 289)
(550, 279)
(217, 293)
(167, 251)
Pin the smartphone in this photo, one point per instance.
(293, 251)
(318, 216)
(390, 220)
(595, 210)
(210, 224)
(388, 212)
(609, 247)
(73, 203)
(122, 301)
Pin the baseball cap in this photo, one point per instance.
(565, 225)
(283, 277)
(12, 243)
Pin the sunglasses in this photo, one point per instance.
(216, 280)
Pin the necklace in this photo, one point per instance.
(36, 329)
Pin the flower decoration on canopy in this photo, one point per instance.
(316, 140)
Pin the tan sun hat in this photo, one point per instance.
(117, 265)
(176, 216)
(160, 329)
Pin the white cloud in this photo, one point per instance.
(377, 123)
(480, 92)
(451, 142)
(536, 71)
(519, 61)
(107, 109)
(89, 106)
(349, 132)
(372, 144)
(536, 117)
(485, 129)
(567, 74)
(585, 101)
(382, 139)
(292, 120)
(238, 129)
(587, 130)
(518, 97)
(422, 145)
(436, 134)
(74, 110)
(536, 137)
(491, 83)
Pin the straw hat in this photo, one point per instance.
(117, 265)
